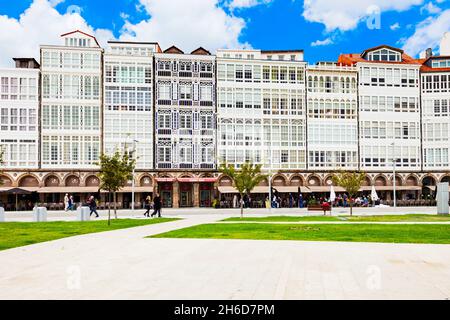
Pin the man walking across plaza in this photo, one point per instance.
(157, 206)
(93, 206)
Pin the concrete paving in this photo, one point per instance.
(124, 264)
(27, 216)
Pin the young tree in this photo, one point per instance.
(351, 181)
(245, 179)
(115, 172)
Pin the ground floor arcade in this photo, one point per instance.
(22, 190)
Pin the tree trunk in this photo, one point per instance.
(351, 208)
(242, 206)
(115, 205)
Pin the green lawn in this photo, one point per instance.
(385, 218)
(437, 234)
(18, 234)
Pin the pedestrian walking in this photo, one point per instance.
(93, 206)
(157, 206)
(148, 206)
(66, 202)
(70, 203)
(72, 206)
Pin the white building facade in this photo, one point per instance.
(261, 108)
(332, 100)
(128, 100)
(186, 114)
(435, 112)
(19, 107)
(71, 121)
(389, 110)
(185, 109)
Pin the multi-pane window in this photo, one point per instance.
(332, 159)
(332, 84)
(390, 77)
(19, 153)
(71, 60)
(232, 72)
(389, 104)
(18, 88)
(382, 156)
(384, 55)
(70, 150)
(185, 91)
(70, 87)
(390, 130)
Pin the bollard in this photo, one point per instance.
(442, 197)
(2, 214)
(83, 214)
(39, 214)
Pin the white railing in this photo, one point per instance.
(332, 68)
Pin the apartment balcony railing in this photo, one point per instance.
(332, 68)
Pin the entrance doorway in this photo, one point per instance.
(186, 195)
(166, 197)
(166, 193)
(206, 190)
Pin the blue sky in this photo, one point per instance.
(323, 28)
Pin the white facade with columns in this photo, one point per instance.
(71, 122)
(261, 108)
(19, 108)
(332, 100)
(128, 100)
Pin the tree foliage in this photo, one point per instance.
(115, 172)
(351, 181)
(244, 179)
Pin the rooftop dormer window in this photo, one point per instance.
(384, 55)
(440, 64)
(78, 42)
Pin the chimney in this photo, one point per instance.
(428, 53)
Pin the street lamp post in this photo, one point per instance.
(270, 177)
(133, 183)
(394, 165)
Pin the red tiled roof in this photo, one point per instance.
(353, 58)
(173, 50)
(201, 51)
(427, 69)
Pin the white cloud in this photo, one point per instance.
(233, 4)
(428, 33)
(345, 15)
(40, 24)
(430, 8)
(324, 42)
(395, 26)
(187, 24)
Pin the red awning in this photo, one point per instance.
(187, 180)
(193, 180)
(207, 180)
(165, 179)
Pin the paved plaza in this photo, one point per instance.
(223, 213)
(124, 264)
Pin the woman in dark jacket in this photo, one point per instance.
(157, 206)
